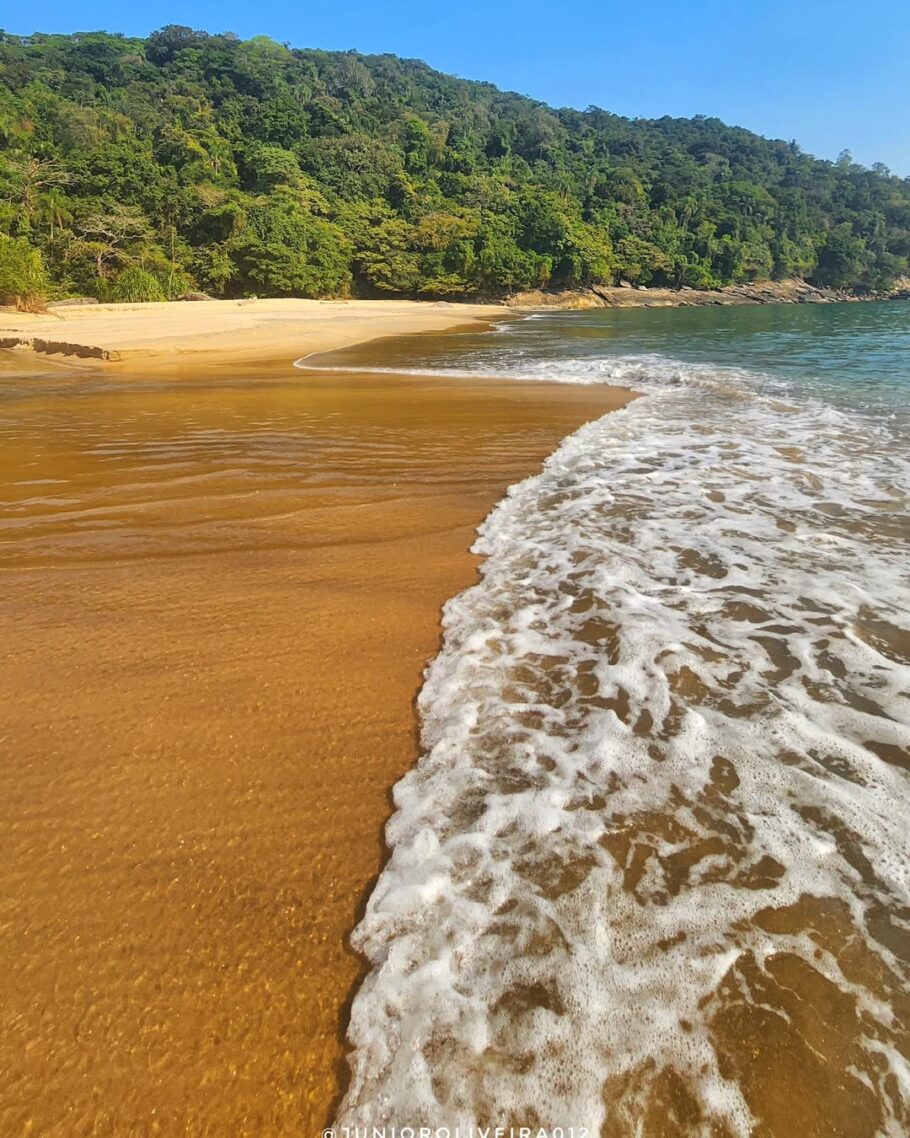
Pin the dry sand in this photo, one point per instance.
(214, 620)
(222, 329)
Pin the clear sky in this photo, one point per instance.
(833, 74)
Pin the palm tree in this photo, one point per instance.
(53, 207)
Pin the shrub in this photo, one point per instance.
(23, 282)
(176, 283)
(135, 286)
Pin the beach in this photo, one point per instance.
(223, 331)
(485, 716)
(222, 580)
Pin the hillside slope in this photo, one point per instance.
(143, 168)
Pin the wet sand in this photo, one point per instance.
(220, 588)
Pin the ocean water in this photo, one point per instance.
(650, 875)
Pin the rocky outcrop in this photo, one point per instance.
(57, 348)
(625, 295)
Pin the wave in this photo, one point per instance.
(652, 862)
(517, 364)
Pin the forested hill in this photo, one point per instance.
(145, 168)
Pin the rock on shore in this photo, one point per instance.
(759, 292)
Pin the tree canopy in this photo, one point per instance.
(248, 167)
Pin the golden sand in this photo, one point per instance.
(214, 622)
(174, 335)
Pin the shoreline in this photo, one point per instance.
(223, 620)
(222, 333)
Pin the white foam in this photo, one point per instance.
(654, 718)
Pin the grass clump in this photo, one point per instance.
(136, 286)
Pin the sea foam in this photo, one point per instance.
(660, 818)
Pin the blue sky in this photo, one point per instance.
(832, 74)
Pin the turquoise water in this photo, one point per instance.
(855, 355)
(651, 873)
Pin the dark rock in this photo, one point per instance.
(195, 296)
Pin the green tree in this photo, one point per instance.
(52, 208)
(287, 251)
(417, 143)
(23, 281)
(842, 258)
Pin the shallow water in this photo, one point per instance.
(650, 876)
(219, 590)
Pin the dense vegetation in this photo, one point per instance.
(139, 169)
